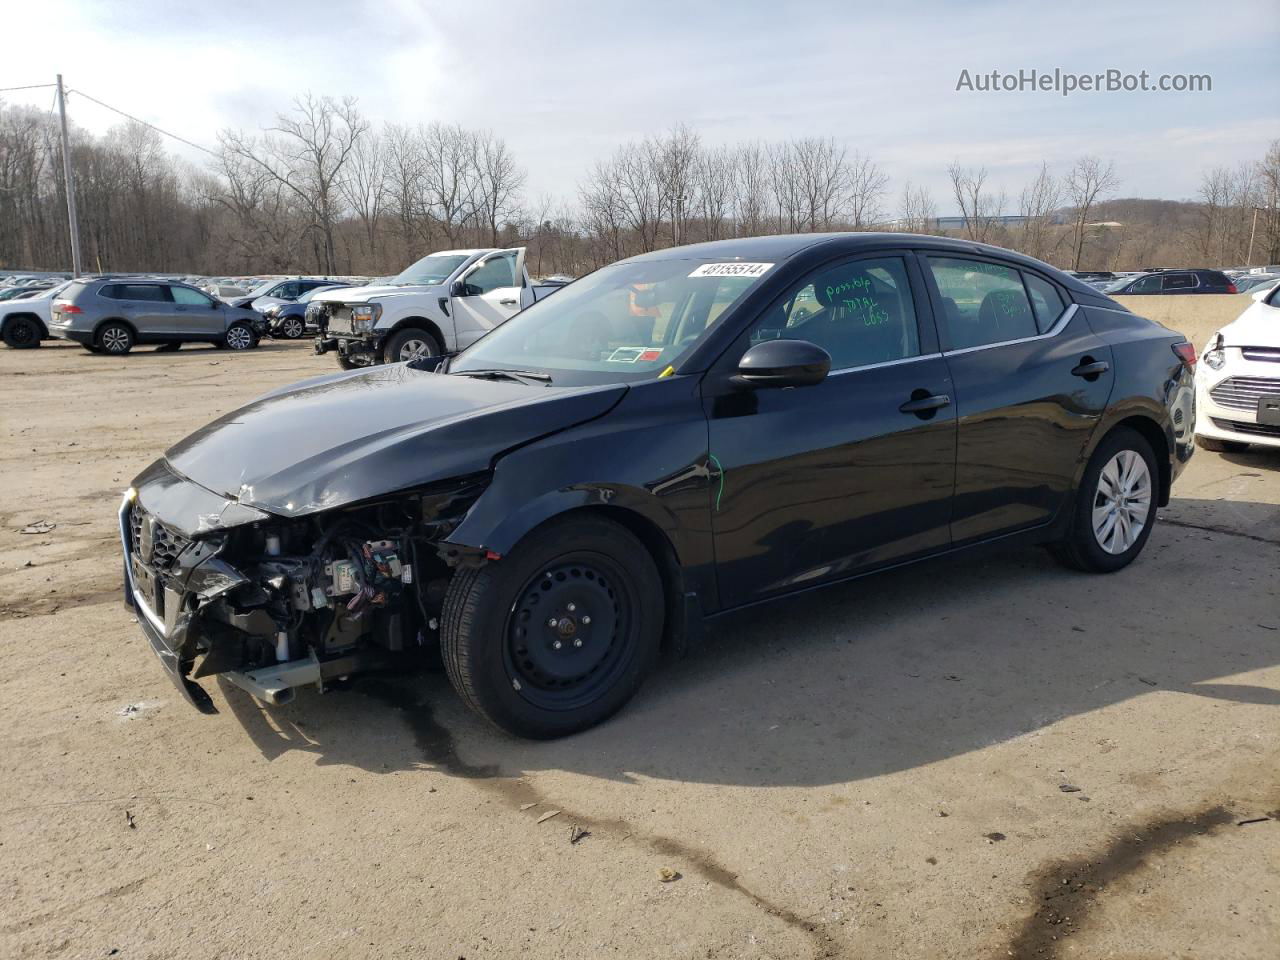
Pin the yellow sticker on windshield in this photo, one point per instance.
(667, 372)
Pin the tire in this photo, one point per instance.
(115, 339)
(1215, 445)
(240, 336)
(346, 363)
(22, 333)
(410, 344)
(292, 328)
(530, 678)
(1126, 459)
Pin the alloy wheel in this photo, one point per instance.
(292, 328)
(115, 340)
(415, 348)
(239, 338)
(1122, 502)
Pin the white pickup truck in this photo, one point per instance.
(440, 305)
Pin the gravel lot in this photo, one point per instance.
(981, 757)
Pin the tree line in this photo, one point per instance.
(325, 191)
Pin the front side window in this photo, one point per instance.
(1146, 285)
(495, 273)
(192, 298)
(1046, 302)
(625, 322)
(861, 312)
(983, 302)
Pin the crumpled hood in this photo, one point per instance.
(1258, 326)
(340, 439)
(366, 294)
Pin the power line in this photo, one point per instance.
(30, 86)
(130, 116)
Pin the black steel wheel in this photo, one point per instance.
(22, 333)
(558, 635)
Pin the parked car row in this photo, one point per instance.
(1238, 379)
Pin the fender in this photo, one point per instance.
(625, 456)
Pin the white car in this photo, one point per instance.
(24, 322)
(1238, 379)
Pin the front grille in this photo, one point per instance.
(1243, 393)
(1265, 354)
(1256, 429)
(165, 545)
(339, 319)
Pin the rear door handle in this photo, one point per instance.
(926, 405)
(1091, 368)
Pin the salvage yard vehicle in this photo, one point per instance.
(288, 320)
(1167, 282)
(672, 437)
(24, 321)
(439, 305)
(1238, 380)
(113, 315)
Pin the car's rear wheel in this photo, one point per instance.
(1214, 445)
(21, 333)
(116, 339)
(1115, 506)
(292, 328)
(410, 343)
(240, 336)
(558, 635)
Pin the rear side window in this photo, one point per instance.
(1046, 302)
(137, 291)
(983, 302)
(1179, 281)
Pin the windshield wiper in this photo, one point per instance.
(517, 376)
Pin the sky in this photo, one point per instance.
(564, 82)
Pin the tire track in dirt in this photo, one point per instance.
(437, 747)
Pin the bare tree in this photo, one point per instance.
(499, 181)
(866, 186)
(751, 204)
(307, 153)
(978, 206)
(917, 213)
(1037, 205)
(365, 188)
(717, 182)
(1087, 182)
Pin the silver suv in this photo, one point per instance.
(113, 315)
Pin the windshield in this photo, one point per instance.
(433, 269)
(262, 289)
(626, 322)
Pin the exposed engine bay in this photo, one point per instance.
(280, 603)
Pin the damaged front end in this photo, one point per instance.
(275, 603)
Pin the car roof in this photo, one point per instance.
(785, 246)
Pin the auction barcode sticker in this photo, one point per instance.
(731, 270)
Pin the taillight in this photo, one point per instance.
(1231, 287)
(1186, 353)
(68, 308)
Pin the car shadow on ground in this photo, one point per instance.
(872, 677)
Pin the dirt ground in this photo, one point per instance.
(985, 756)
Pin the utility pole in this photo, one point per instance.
(72, 220)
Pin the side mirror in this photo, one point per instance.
(783, 363)
(458, 289)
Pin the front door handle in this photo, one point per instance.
(509, 302)
(1091, 369)
(924, 406)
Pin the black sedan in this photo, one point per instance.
(675, 436)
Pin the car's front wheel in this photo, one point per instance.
(411, 343)
(292, 328)
(1115, 506)
(240, 336)
(556, 636)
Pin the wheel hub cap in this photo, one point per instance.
(1122, 502)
